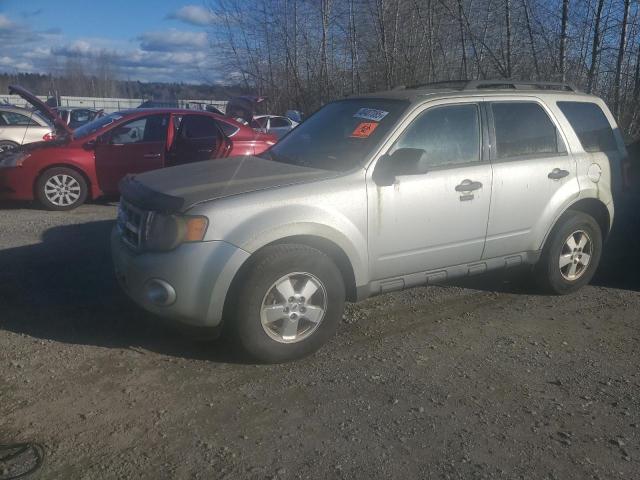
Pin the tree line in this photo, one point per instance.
(82, 78)
(303, 53)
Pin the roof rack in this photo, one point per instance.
(493, 84)
(519, 85)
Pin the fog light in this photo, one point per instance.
(159, 292)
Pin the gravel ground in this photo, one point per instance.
(482, 379)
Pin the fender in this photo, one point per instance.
(281, 222)
(570, 206)
(94, 190)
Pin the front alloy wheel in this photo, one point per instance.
(61, 188)
(286, 303)
(294, 307)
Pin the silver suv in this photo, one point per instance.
(373, 194)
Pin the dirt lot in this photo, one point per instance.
(482, 380)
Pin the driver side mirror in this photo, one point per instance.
(404, 161)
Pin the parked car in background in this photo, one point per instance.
(273, 124)
(20, 125)
(244, 108)
(76, 117)
(90, 161)
(295, 115)
(372, 194)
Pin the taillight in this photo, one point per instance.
(48, 137)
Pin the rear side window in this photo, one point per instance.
(590, 124)
(524, 129)
(450, 135)
(15, 119)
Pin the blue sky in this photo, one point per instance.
(159, 40)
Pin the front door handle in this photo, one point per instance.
(152, 155)
(557, 174)
(468, 186)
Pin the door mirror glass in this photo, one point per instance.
(404, 161)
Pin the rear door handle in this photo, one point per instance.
(468, 186)
(557, 174)
(152, 155)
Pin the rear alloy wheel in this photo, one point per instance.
(287, 304)
(571, 255)
(61, 189)
(575, 256)
(6, 145)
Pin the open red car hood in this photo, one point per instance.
(42, 108)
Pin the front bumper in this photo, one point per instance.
(200, 273)
(16, 183)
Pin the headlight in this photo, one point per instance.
(13, 159)
(166, 232)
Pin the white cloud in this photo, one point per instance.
(172, 55)
(194, 15)
(172, 40)
(5, 23)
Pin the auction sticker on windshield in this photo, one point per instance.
(370, 114)
(364, 129)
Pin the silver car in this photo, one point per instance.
(273, 124)
(373, 194)
(20, 125)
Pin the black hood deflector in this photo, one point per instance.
(176, 189)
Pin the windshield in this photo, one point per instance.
(95, 125)
(340, 136)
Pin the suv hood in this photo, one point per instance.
(60, 125)
(178, 188)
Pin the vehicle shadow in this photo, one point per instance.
(64, 289)
(618, 267)
(621, 257)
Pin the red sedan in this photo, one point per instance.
(90, 161)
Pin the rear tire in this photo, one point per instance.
(571, 254)
(61, 188)
(287, 304)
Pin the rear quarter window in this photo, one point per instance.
(590, 124)
(228, 129)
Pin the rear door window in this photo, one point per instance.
(279, 122)
(196, 127)
(590, 124)
(523, 129)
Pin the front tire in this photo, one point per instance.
(6, 145)
(61, 188)
(571, 254)
(288, 304)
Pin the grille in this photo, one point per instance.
(132, 223)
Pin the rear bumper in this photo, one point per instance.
(200, 274)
